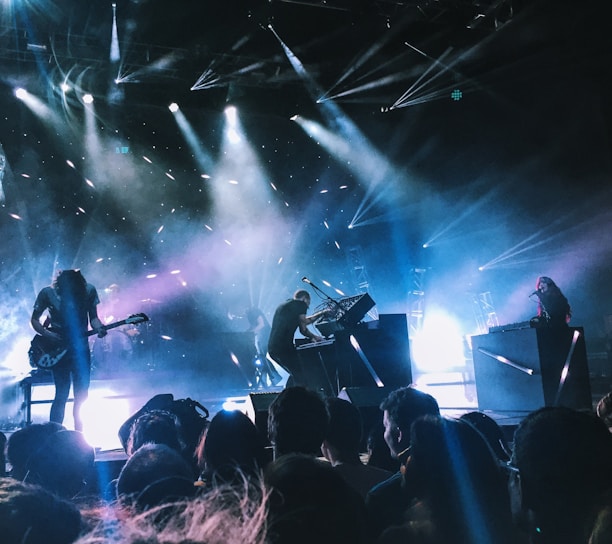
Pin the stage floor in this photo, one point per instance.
(112, 401)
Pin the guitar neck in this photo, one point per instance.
(109, 327)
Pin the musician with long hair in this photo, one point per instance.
(553, 307)
(71, 306)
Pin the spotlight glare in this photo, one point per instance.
(65, 87)
(230, 113)
(173, 107)
(88, 98)
(425, 245)
(233, 136)
(21, 93)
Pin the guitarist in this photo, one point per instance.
(71, 304)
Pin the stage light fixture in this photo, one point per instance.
(88, 98)
(173, 107)
(21, 93)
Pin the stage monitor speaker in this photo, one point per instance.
(525, 369)
(257, 410)
(367, 400)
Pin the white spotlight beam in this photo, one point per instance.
(357, 64)
(466, 212)
(365, 161)
(437, 63)
(365, 87)
(162, 64)
(114, 50)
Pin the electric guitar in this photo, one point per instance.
(46, 353)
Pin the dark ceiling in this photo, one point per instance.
(166, 47)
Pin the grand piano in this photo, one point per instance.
(356, 352)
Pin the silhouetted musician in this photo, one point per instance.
(288, 317)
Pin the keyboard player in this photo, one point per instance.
(289, 317)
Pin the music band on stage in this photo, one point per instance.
(72, 303)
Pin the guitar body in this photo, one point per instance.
(45, 352)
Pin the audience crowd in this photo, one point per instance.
(424, 478)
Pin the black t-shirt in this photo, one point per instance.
(284, 324)
(47, 299)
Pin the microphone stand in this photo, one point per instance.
(324, 295)
(339, 310)
(545, 315)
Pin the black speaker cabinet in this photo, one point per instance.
(525, 369)
(257, 410)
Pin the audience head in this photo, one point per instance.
(379, 454)
(310, 502)
(563, 461)
(455, 473)
(153, 475)
(225, 514)
(231, 444)
(3, 441)
(491, 432)
(344, 432)
(26, 443)
(154, 427)
(400, 409)
(604, 409)
(62, 464)
(297, 422)
(29, 514)
(601, 532)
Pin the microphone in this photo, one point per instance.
(536, 292)
(306, 280)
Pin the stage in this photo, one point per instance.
(508, 374)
